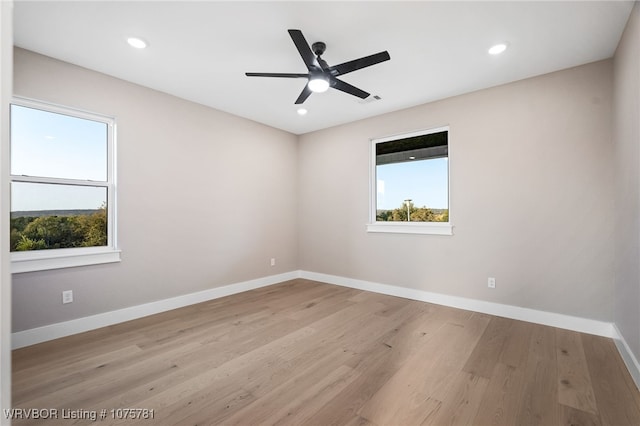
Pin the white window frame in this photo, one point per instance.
(429, 228)
(40, 260)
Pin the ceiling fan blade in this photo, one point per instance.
(357, 64)
(303, 47)
(275, 74)
(347, 88)
(304, 95)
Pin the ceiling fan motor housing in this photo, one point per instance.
(318, 48)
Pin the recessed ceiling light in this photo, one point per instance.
(136, 42)
(497, 49)
(412, 158)
(302, 111)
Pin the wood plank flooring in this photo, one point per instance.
(304, 352)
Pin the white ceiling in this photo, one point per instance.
(200, 50)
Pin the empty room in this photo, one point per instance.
(323, 213)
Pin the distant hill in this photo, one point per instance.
(38, 213)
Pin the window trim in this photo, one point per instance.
(40, 260)
(428, 228)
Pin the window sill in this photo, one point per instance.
(428, 228)
(64, 258)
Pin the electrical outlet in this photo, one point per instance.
(491, 282)
(273, 261)
(67, 296)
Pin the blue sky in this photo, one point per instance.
(424, 181)
(45, 144)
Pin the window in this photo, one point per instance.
(410, 183)
(62, 187)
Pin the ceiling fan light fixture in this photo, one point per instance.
(319, 84)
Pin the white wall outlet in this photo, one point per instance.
(67, 296)
(273, 261)
(491, 282)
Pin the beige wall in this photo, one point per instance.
(531, 200)
(205, 198)
(627, 184)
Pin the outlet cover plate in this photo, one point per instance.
(67, 296)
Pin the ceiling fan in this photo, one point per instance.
(321, 76)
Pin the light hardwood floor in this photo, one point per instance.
(304, 352)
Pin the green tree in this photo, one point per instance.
(95, 228)
(400, 214)
(422, 214)
(55, 231)
(26, 244)
(51, 232)
(19, 223)
(383, 215)
(416, 214)
(14, 238)
(444, 217)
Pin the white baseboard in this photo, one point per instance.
(583, 325)
(49, 332)
(627, 356)
(54, 331)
